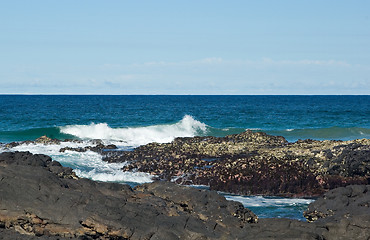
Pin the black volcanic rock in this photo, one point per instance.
(343, 202)
(344, 212)
(36, 201)
(7, 234)
(97, 148)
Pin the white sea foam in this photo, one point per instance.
(90, 164)
(116, 176)
(136, 136)
(86, 164)
(259, 201)
(52, 149)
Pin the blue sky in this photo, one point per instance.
(185, 47)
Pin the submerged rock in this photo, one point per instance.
(97, 148)
(46, 140)
(96, 144)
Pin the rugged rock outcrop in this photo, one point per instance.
(249, 163)
(343, 202)
(344, 212)
(38, 201)
(254, 163)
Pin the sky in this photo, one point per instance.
(185, 47)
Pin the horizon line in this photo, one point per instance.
(134, 94)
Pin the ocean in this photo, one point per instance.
(131, 121)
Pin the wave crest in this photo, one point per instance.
(136, 136)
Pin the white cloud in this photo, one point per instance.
(212, 60)
(306, 62)
(211, 75)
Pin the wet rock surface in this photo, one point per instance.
(253, 163)
(96, 145)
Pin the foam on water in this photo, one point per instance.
(112, 175)
(136, 136)
(259, 201)
(273, 207)
(86, 164)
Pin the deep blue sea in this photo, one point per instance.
(130, 121)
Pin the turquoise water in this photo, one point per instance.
(319, 117)
(130, 121)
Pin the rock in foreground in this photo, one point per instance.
(40, 199)
(345, 212)
(36, 200)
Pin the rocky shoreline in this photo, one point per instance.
(40, 199)
(253, 163)
(249, 163)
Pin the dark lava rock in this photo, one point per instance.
(206, 206)
(97, 148)
(7, 234)
(344, 212)
(36, 160)
(36, 201)
(343, 202)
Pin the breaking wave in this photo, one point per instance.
(136, 136)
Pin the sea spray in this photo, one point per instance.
(136, 136)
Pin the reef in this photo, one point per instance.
(253, 163)
(249, 163)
